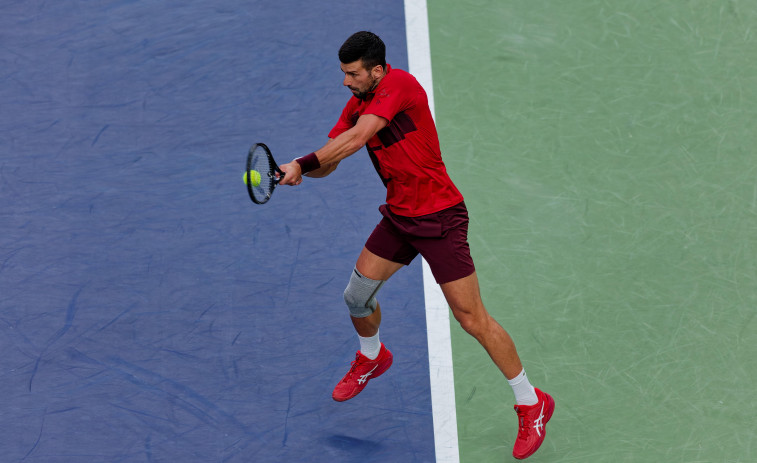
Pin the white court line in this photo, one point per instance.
(437, 310)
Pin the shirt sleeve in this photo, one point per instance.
(346, 120)
(391, 100)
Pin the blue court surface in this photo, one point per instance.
(149, 312)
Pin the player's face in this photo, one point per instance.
(359, 79)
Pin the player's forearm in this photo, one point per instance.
(344, 145)
(331, 153)
(322, 171)
(323, 161)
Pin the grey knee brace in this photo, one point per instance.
(360, 295)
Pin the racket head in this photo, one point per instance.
(261, 160)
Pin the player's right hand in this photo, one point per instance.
(292, 173)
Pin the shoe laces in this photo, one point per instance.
(353, 365)
(523, 426)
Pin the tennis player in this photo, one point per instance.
(424, 214)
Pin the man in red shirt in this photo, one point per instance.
(424, 214)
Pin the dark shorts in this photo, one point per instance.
(441, 238)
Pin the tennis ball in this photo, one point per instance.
(254, 175)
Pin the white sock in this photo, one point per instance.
(524, 391)
(370, 346)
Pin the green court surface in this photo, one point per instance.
(608, 154)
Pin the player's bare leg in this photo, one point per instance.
(534, 407)
(464, 298)
(373, 358)
(368, 326)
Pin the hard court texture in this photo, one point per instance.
(606, 150)
(149, 312)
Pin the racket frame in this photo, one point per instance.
(272, 171)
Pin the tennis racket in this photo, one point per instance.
(260, 161)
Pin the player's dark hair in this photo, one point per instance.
(366, 46)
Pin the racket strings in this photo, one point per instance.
(263, 164)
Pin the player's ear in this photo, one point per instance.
(377, 71)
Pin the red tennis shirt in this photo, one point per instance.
(406, 152)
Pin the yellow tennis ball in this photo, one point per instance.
(255, 176)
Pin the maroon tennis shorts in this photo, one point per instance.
(441, 238)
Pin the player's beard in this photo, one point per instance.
(371, 87)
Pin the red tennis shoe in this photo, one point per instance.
(532, 421)
(363, 370)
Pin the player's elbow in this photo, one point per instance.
(351, 143)
(365, 129)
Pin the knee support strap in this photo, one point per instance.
(360, 295)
